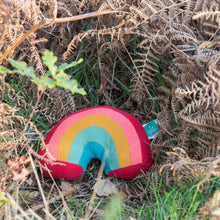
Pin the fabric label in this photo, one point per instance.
(151, 129)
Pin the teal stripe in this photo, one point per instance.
(94, 150)
(98, 135)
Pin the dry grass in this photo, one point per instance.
(153, 59)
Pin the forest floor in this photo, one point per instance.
(153, 59)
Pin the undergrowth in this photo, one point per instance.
(174, 203)
(178, 202)
(153, 59)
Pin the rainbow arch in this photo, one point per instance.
(113, 136)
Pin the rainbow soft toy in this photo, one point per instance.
(115, 137)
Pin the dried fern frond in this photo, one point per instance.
(212, 13)
(206, 98)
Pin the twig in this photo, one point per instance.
(49, 22)
(61, 195)
(39, 185)
(58, 197)
(34, 214)
(91, 202)
(5, 54)
(17, 206)
(80, 17)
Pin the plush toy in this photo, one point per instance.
(113, 136)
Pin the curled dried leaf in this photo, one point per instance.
(18, 169)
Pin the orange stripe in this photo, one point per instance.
(114, 130)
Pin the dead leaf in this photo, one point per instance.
(65, 186)
(22, 175)
(68, 189)
(106, 188)
(18, 168)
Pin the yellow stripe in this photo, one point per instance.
(105, 122)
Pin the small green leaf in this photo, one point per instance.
(65, 66)
(55, 76)
(61, 76)
(70, 85)
(22, 68)
(45, 82)
(62, 67)
(5, 70)
(49, 60)
(3, 199)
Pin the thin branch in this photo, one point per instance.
(49, 22)
(80, 17)
(35, 28)
(91, 202)
(40, 187)
(17, 206)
